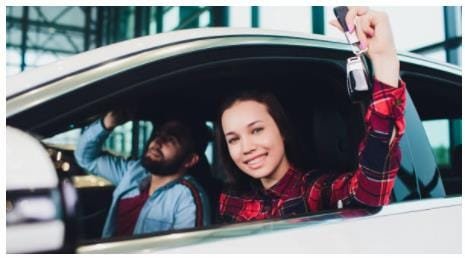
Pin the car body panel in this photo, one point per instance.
(406, 221)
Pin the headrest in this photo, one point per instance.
(335, 138)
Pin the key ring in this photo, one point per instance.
(358, 51)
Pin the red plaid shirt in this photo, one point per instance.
(371, 184)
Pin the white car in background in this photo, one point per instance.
(54, 206)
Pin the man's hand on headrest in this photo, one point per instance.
(116, 117)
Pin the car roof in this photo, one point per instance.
(32, 78)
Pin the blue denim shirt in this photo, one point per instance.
(179, 204)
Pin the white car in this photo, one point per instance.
(54, 206)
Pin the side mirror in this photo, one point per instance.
(40, 209)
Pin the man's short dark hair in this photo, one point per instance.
(198, 132)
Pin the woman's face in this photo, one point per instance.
(254, 140)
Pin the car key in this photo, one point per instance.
(358, 81)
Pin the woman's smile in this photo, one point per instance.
(256, 161)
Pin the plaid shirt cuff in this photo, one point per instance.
(387, 108)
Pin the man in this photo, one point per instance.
(154, 193)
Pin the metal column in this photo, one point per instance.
(99, 27)
(219, 16)
(159, 11)
(255, 16)
(141, 21)
(87, 21)
(24, 28)
(188, 17)
(452, 29)
(318, 20)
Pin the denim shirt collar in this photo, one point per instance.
(145, 183)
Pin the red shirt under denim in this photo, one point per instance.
(128, 213)
(371, 184)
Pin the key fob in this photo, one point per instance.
(358, 82)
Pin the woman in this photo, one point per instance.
(256, 148)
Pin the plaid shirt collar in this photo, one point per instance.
(281, 189)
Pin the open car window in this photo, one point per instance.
(312, 91)
(120, 142)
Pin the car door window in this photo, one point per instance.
(119, 141)
(446, 143)
(438, 135)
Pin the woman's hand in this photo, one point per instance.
(374, 31)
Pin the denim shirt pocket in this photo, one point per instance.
(156, 225)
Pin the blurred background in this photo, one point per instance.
(38, 35)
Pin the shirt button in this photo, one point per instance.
(267, 205)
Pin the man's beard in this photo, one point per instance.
(163, 167)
